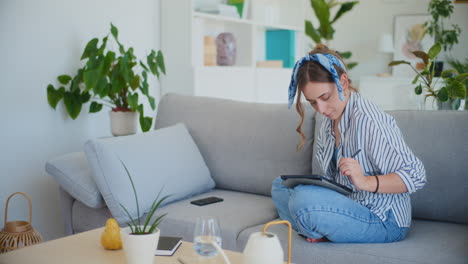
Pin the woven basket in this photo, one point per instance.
(17, 234)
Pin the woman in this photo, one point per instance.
(382, 174)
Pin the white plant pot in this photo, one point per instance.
(123, 123)
(140, 249)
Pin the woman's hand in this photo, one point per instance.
(352, 169)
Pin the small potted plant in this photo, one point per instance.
(141, 240)
(453, 89)
(114, 79)
(441, 10)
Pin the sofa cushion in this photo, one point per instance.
(245, 145)
(164, 159)
(439, 140)
(73, 174)
(237, 212)
(427, 242)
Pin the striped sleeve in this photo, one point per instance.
(389, 152)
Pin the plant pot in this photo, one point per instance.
(140, 249)
(123, 123)
(449, 105)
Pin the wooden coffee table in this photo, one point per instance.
(86, 248)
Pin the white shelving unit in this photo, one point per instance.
(182, 42)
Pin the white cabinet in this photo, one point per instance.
(182, 42)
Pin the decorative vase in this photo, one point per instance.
(140, 249)
(123, 122)
(226, 49)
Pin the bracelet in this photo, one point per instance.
(377, 188)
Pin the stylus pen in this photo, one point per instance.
(355, 154)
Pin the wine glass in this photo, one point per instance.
(206, 234)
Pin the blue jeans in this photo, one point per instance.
(318, 212)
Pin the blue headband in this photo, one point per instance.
(327, 61)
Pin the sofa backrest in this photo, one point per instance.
(245, 145)
(440, 140)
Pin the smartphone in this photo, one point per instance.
(206, 201)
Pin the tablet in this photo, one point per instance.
(292, 181)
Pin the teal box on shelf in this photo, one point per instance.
(280, 45)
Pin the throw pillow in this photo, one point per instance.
(165, 159)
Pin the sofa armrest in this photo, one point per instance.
(73, 174)
(66, 204)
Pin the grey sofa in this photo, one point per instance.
(247, 145)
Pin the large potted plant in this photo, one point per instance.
(441, 10)
(113, 79)
(140, 240)
(325, 31)
(460, 67)
(453, 88)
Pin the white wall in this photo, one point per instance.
(359, 31)
(40, 40)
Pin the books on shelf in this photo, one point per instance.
(270, 64)
(168, 245)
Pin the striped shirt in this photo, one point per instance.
(383, 150)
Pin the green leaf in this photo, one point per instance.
(422, 55)
(54, 96)
(434, 50)
(323, 14)
(462, 77)
(136, 82)
(351, 65)
(126, 68)
(72, 101)
(415, 80)
(152, 102)
(75, 84)
(448, 73)
(345, 54)
(145, 122)
(132, 100)
(91, 77)
(100, 86)
(85, 96)
(418, 90)
(114, 31)
(311, 32)
(394, 63)
(160, 62)
(151, 60)
(457, 90)
(110, 57)
(144, 66)
(103, 46)
(91, 49)
(345, 7)
(442, 94)
(64, 79)
(95, 107)
(134, 193)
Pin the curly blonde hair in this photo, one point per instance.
(312, 71)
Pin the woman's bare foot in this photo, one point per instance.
(317, 240)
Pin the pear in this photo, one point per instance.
(110, 238)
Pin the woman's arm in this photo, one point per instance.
(389, 183)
